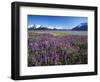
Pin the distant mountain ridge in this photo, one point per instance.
(81, 27)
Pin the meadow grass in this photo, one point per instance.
(58, 33)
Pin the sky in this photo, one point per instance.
(59, 22)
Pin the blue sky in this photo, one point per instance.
(62, 22)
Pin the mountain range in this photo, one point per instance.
(80, 27)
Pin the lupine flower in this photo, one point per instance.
(47, 49)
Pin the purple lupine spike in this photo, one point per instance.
(56, 48)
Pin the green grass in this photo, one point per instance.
(58, 33)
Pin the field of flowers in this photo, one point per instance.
(45, 49)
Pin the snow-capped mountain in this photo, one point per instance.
(35, 26)
(81, 27)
